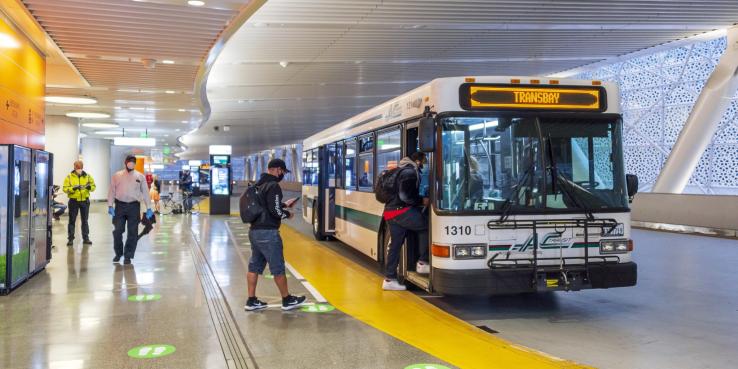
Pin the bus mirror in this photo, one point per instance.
(631, 182)
(427, 134)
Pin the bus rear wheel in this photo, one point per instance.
(316, 225)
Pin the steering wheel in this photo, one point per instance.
(587, 184)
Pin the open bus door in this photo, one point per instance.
(325, 213)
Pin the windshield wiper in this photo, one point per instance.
(507, 205)
(555, 178)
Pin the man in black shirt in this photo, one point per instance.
(266, 243)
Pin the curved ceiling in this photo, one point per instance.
(340, 57)
(108, 40)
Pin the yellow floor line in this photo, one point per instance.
(403, 315)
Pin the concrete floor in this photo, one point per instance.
(682, 314)
(76, 314)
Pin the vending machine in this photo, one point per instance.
(25, 223)
(15, 209)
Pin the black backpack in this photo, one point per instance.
(385, 187)
(251, 204)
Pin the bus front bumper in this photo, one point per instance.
(512, 281)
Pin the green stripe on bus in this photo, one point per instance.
(360, 218)
(499, 248)
(580, 245)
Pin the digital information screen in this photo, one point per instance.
(220, 159)
(220, 185)
(507, 97)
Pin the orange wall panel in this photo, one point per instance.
(22, 89)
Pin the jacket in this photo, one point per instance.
(73, 180)
(408, 185)
(274, 212)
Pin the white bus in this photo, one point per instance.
(525, 179)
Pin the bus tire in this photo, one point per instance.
(316, 232)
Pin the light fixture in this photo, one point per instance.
(169, 91)
(88, 114)
(73, 100)
(109, 133)
(284, 64)
(196, 2)
(181, 110)
(134, 141)
(167, 61)
(185, 121)
(486, 124)
(8, 42)
(100, 125)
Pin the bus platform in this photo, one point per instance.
(180, 305)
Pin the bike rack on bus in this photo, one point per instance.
(606, 226)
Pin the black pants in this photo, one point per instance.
(75, 207)
(127, 216)
(412, 220)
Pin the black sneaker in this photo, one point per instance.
(254, 304)
(293, 302)
(126, 261)
(70, 243)
(116, 258)
(87, 242)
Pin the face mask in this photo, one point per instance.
(280, 177)
(130, 166)
(78, 171)
(420, 166)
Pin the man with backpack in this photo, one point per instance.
(399, 189)
(262, 206)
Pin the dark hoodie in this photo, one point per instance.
(272, 196)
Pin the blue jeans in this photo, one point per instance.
(266, 248)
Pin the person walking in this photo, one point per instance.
(127, 189)
(266, 243)
(404, 214)
(77, 185)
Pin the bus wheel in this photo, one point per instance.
(316, 231)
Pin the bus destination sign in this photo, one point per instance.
(506, 97)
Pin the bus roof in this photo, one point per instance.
(443, 95)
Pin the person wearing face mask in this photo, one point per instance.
(127, 189)
(404, 213)
(77, 185)
(266, 243)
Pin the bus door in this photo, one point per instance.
(328, 188)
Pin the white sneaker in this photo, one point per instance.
(392, 285)
(422, 268)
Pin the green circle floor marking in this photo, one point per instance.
(319, 308)
(426, 366)
(146, 297)
(151, 351)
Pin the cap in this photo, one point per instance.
(278, 163)
(130, 158)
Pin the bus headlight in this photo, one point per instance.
(614, 246)
(470, 251)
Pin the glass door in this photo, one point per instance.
(21, 199)
(40, 209)
(4, 196)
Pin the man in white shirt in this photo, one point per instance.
(127, 189)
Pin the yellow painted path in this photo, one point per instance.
(403, 315)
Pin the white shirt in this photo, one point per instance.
(128, 187)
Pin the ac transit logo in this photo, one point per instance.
(548, 241)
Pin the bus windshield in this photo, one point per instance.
(531, 164)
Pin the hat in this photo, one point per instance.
(130, 158)
(278, 163)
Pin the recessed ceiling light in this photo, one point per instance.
(109, 133)
(240, 101)
(284, 64)
(8, 42)
(185, 121)
(87, 114)
(169, 91)
(181, 110)
(167, 61)
(73, 100)
(137, 108)
(100, 125)
(196, 2)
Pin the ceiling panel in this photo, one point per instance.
(344, 56)
(106, 40)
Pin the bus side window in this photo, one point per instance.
(306, 168)
(366, 163)
(388, 150)
(339, 165)
(350, 165)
